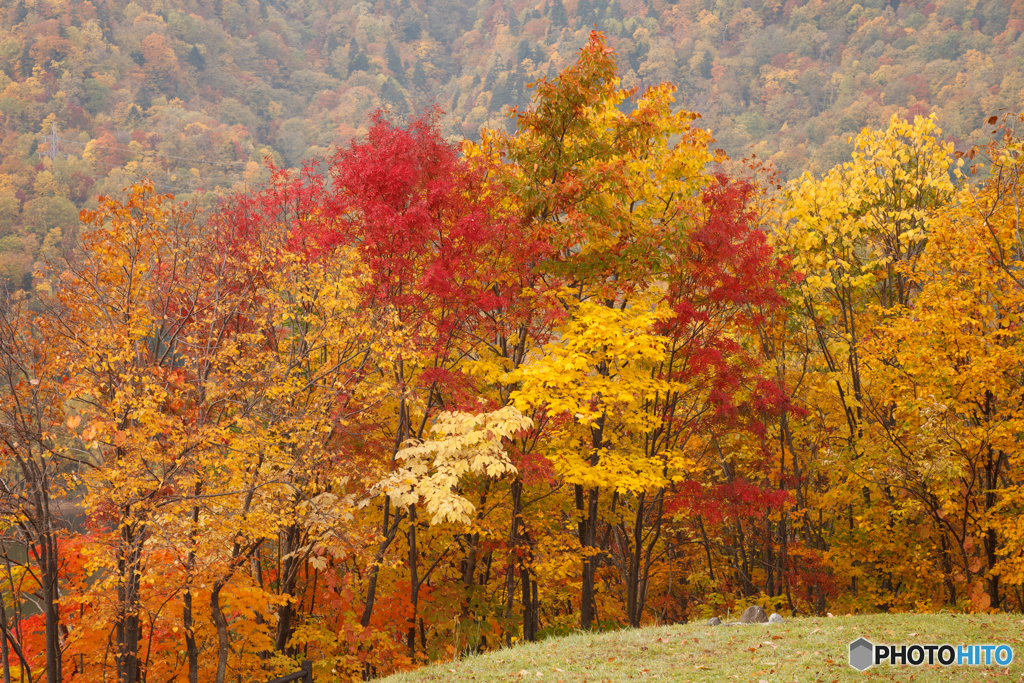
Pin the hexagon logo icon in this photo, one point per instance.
(862, 654)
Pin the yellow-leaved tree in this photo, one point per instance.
(205, 368)
(857, 234)
(947, 405)
(650, 266)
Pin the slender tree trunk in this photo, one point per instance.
(769, 558)
(286, 584)
(990, 540)
(238, 558)
(588, 541)
(525, 561)
(473, 540)
(5, 652)
(644, 575)
(49, 567)
(510, 567)
(633, 571)
(221, 624)
(414, 583)
(588, 530)
(529, 605)
(129, 627)
(402, 432)
(389, 533)
(26, 670)
(947, 570)
(706, 542)
(40, 537)
(191, 650)
(187, 618)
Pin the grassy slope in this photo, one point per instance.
(811, 649)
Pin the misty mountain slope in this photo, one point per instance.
(194, 94)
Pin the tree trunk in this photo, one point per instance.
(642, 557)
(633, 609)
(990, 540)
(191, 650)
(221, 623)
(5, 652)
(588, 530)
(49, 565)
(238, 558)
(414, 583)
(588, 541)
(402, 432)
(529, 605)
(389, 536)
(947, 570)
(187, 619)
(289, 571)
(26, 670)
(129, 626)
(525, 561)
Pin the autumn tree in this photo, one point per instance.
(947, 404)
(109, 310)
(427, 229)
(619, 207)
(857, 234)
(33, 481)
(210, 373)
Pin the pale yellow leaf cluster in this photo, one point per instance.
(465, 443)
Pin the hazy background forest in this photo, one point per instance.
(195, 93)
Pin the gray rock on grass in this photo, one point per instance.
(754, 615)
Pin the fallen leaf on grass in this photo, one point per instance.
(817, 630)
(776, 637)
(662, 640)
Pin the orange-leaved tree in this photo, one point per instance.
(948, 406)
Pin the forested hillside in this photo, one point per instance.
(195, 93)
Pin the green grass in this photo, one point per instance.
(809, 649)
